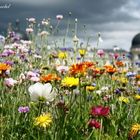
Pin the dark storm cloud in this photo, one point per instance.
(106, 16)
(94, 10)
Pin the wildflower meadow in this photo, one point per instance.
(61, 88)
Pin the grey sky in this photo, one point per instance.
(117, 20)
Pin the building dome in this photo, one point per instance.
(136, 41)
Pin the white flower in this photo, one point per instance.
(2, 39)
(32, 20)
(37, 56)
(45, 22)
(43, 33)
(104, 88)
(98, 92)
(99, 37)
(22, 76)
(75, 39)
(8, 46)
(116, 48)
(40, 91)
(62, 68)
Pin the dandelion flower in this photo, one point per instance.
(44, 120)
(90, 88)
(137, 97)
(134, 130)
(82, 52)
(124, 99)
(70, 82)
(62, 55)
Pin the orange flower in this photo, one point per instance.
(110, 69)
(108, 66)
(4, 67)
(97, 72)
(49, 78)
(88, 64)
(78, 69)
(138, 77)
(119, 63)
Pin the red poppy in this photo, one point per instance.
(100, 111)
(93, 123)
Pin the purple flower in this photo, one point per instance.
(23, 109)
(117, 91)
(131, 74)
(8, 52)
(9, 63)
(93, 84)
(11, 34)
(138, 90)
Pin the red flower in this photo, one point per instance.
(100, 111)
(94, 123)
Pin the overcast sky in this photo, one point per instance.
(117, 20)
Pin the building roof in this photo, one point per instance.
(136, 41)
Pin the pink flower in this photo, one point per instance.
(31, 74)
(59, 17)
(106, 97)
(100, 53)
(116, 55)
(29, 30)
(93, 123)
(31, 20)
(62, 69)
(10, 82)
(100, 111)
(23, 109)
(35, 79)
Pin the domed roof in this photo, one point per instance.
(136, 41)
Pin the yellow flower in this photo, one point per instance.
(90, 88)
(70, 82)
(43, 120)
(123, 80)
(62, 55)
(82, 52)
(137, 97)
(134, 130)
(124, 99)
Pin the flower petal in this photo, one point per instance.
(35, 91)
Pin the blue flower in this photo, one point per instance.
(130, 74)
